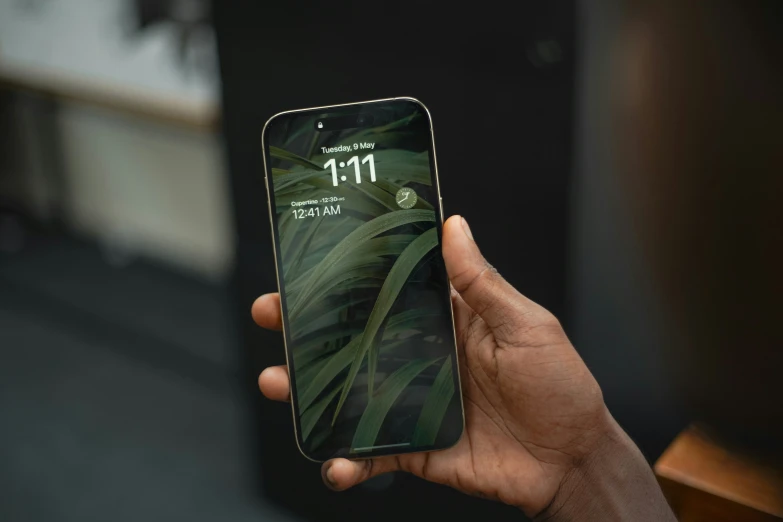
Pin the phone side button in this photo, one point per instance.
(441, 210)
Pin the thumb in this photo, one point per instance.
(340, 474)
(482, 288)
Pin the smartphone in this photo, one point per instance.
(356, 218)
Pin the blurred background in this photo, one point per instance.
(134, 235)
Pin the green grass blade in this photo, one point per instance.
(309, 373)
(315, 178)
(298, 253)
(385, 135)
(319, 438)
(302, 129)
(397, 124)
(314, 349)
(403, 173)
(365, 255)
(316, 340)
(289, 228)
(309, 362)
(374, 191)
(311, 415)
(277, 152)
(374, 268)
(411, 319)
(315, 317)
(435, 405)
(394, 282)
(336, 364)
(353, 284)
(391, 288)
(355, 239)
(304, 359)
(380, 403)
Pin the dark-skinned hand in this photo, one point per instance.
(534, 414)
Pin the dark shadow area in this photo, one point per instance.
(118, 392)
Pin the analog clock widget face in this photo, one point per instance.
(406, 198)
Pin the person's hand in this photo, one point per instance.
(534, 415)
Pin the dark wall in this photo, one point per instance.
(499, 83)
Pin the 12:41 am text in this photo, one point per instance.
(302, 213)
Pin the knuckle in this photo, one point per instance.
(547, 319)
(474, 278)
(367, 470)
(533, 328)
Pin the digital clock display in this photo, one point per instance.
(301, 213)
(364, 291)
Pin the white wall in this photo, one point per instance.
(141, 186)
(91, 40)
(154, 189)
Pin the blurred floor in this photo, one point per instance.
(118, 393)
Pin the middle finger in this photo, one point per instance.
(274, 383)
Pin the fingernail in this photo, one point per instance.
(466, 228)
(329, 479)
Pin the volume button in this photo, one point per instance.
(441, 210)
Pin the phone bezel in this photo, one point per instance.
(280, 285)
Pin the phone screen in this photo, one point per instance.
(356, 219)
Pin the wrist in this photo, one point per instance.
(613, 482)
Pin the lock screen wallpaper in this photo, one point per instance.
(364, 290)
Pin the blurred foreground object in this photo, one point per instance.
(700, 117)
(706, 482)
(700, 141)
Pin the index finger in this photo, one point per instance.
(266, 311)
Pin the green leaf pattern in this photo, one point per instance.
(374, 261)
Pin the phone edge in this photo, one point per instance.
(277, 271)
